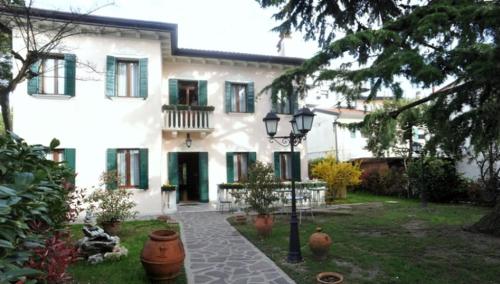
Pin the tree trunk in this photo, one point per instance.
(489, 224)
(4, 102)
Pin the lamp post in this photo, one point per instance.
(418, 149)
(301, 124)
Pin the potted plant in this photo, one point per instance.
(168, 187)
(260, 196)
(111, 206)
(329, 278)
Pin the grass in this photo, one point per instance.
(391, 243)
(133, 235)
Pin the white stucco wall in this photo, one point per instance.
(91, 123)
(321, 139)
(233, 132)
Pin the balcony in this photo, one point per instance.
(183, 118)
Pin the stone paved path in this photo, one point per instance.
(217, 253)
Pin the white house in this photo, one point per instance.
(154, 112)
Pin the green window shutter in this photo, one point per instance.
(296, 166)
(173, 171)
(203, 166)
(69, 74)
(143, 78)
(70, 157)
(202, 92)
(252, 158)
(250, 97)
(173, 94)
(230, 166)
(227, 97)
(295, 103)
(110, 76)
(277, 165)
(143, 169)
(111, 166)
(34, 83)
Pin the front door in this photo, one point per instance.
(189, 171)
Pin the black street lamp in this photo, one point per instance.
(301, 124)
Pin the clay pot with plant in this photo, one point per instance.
(261, 196)
(329, 278)
(111, 205)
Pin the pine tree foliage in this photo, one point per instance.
(427, 43)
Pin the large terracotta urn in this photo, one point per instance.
(320, 243)
(163, 256)
(264, 225)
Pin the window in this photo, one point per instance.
(188, 93)
(127, 78)
(240, 162)
(353, 133)
(127, 161)
(283, 104)
(56, 155)
(285, 166)
(238, 97)
(52, 76)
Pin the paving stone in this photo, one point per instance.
(217, 253)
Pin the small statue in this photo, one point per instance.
(90, 219)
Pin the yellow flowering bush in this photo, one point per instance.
(338, 176)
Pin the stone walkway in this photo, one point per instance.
(217, 253)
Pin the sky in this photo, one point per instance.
(226, 25)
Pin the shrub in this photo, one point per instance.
(439, 178)
(260, 188)
(35, 201)
(392, 182)
(338, 176)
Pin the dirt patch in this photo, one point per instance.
(416, 228)
(358, 272)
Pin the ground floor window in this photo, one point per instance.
(285, 160)
(56, 155)
(240, 162)
(128, 161)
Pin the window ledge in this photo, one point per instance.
(125, 98)
(52, 97)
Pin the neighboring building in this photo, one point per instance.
(154, 112)
(326, 137)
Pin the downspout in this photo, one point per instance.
(336, 140)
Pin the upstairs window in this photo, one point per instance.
(188, 93)
(56, 155)
(238, 97)
(285, 104)
(52, 76)
(55, 75)
(127, 78)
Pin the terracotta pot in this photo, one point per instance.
(163, 256)
(264, 225)
(329, 278)
(320, 243)
(112, 228)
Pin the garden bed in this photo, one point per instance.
(398, 242)
(133, 235)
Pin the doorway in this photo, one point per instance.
(188, 177)
(189, 172)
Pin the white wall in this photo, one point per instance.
(233, 132)
(321, 139)
(92, 123)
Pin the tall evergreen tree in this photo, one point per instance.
(426, 43)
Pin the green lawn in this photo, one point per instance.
(128, 270)
(391, 243)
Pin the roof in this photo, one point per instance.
(151, 26)
(343, 111)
